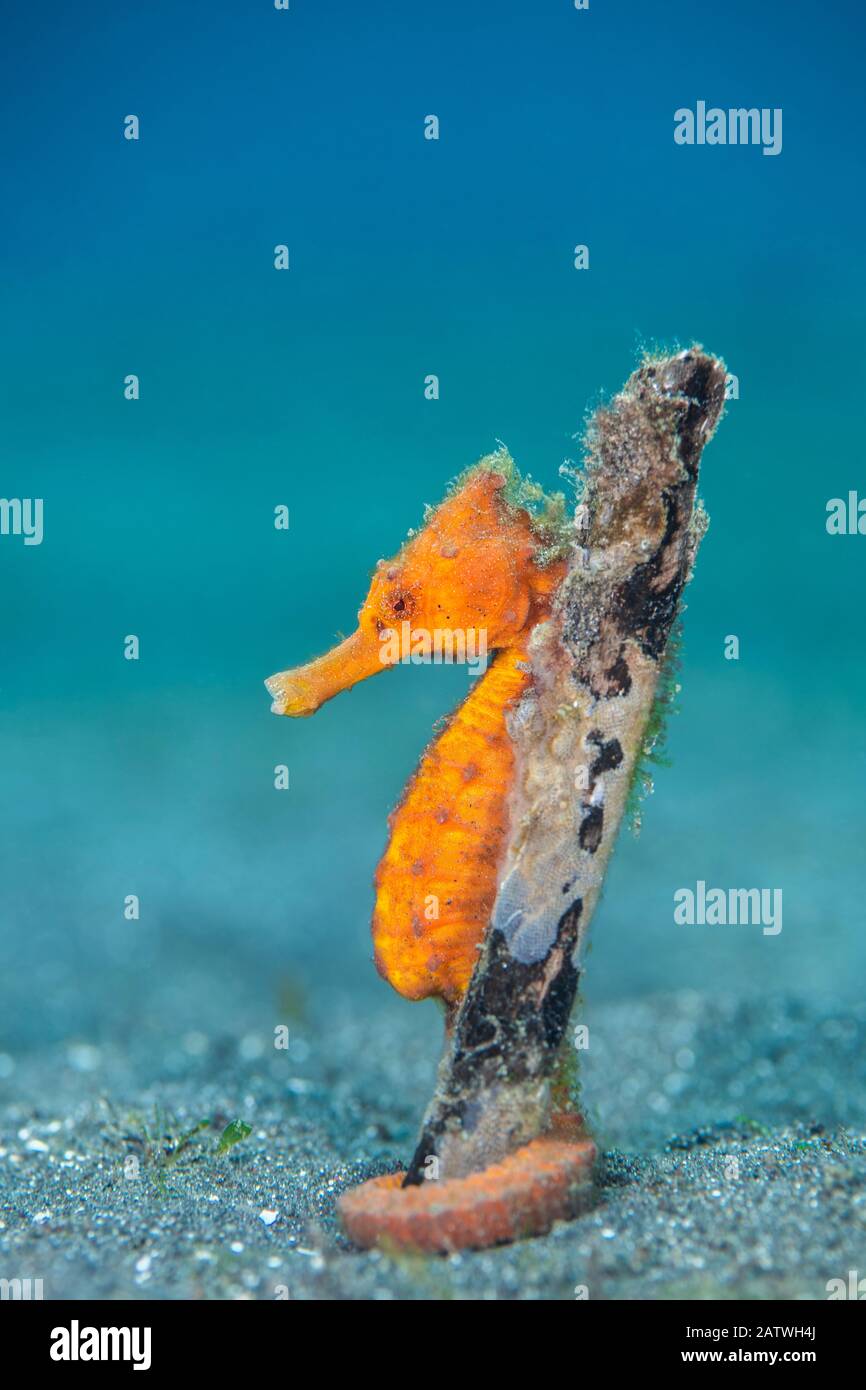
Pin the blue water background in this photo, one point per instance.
(408, 257)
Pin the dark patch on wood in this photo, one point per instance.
(618, 676)
(704, 388)
(644, 610)
(616, 680)
(508, 1030)
(591, 829)
(608, 757)
(510, 1006)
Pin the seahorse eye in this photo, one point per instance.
(401, 603)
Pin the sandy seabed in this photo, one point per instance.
(734, 1167)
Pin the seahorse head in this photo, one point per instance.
(479, 563)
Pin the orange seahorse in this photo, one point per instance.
(478, 565)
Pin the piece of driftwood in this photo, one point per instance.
(578, 733)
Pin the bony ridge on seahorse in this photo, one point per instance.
(485, 564)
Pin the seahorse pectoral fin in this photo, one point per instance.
(303, 689)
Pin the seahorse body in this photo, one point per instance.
(436, 882)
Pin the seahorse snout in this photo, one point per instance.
(303, 689)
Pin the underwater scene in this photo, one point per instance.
(486, 379)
